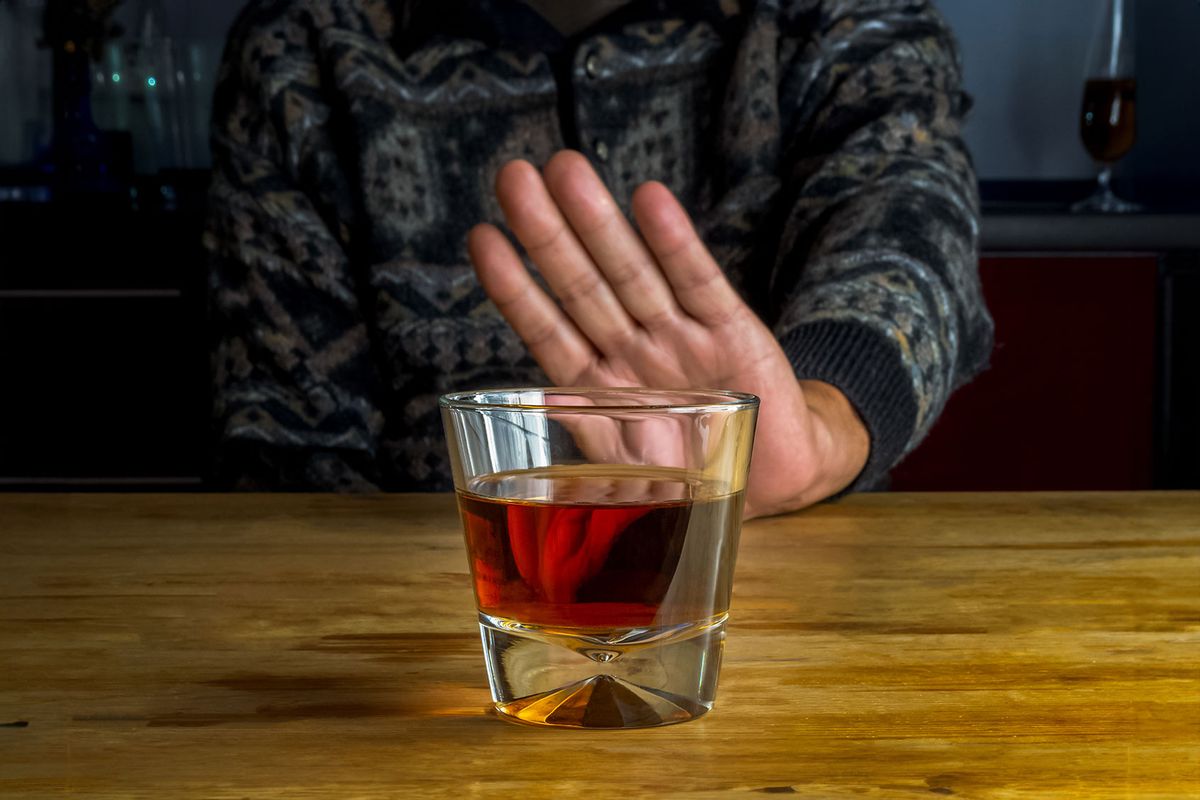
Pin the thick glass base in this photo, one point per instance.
(635, 678)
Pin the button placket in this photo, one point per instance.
(588, 72)
(591, 65)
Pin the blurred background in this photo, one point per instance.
(103, 366)
(152, 76)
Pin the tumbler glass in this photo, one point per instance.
(601, 528)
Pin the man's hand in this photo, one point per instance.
(655, 310)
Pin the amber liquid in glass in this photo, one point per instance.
(602, 578)
(1108, 122)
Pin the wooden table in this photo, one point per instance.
(995, 646)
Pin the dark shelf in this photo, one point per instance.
(102, 339)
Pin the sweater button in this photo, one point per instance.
(601, 150)
(591, 65)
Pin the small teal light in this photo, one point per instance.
(116, 76)
(151, 81)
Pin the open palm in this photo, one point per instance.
(649, 310)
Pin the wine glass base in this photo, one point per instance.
(1105, 202)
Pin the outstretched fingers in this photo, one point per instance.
(552, 338)
(613, 244)
(696, 279)
(539, 224)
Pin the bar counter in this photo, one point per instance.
(889, 646)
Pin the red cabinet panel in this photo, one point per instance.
(1068, 402)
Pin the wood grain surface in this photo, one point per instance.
(989, 646)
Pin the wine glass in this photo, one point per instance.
(1108, 119)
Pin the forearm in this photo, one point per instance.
(878, 261)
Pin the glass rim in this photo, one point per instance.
(702, 399)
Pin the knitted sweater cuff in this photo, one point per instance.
(868, 369)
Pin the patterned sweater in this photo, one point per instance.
(815, 142)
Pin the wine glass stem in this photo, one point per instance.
(1105, 179)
